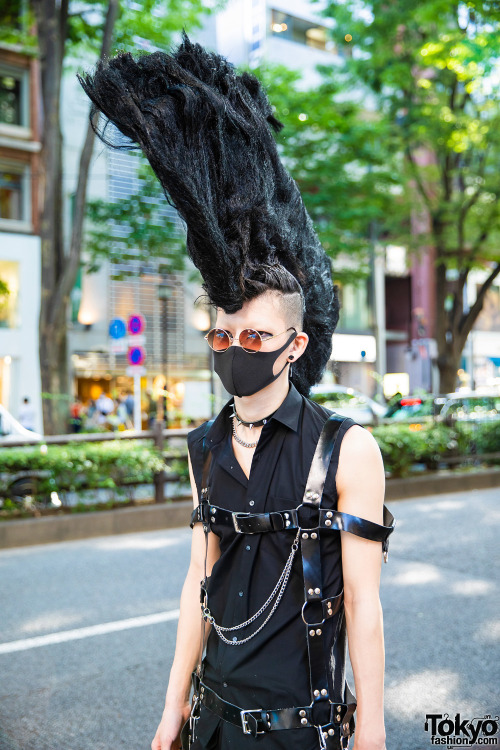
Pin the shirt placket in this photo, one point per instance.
(256, 492)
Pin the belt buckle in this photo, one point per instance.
(244, 722)
(235, 516)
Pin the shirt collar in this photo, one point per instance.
(288, 413)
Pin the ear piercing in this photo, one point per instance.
(291, 356)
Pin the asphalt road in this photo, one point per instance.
(88, 628)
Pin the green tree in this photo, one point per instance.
(65, 31)
(431, 67)
(145, 232)
(338, 156)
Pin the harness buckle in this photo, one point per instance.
(246, 714)
(236, 525)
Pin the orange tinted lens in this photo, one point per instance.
(218, 339)
(250, 340)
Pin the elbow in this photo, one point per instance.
(362, 599)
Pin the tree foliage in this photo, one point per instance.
(431, 69)
(338, 156)
(134, 233)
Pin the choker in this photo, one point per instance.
(258, 423)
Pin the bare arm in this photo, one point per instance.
(187, 648)
(361, 489)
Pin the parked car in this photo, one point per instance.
(12, 431)
(471, 406)
(422, 406)
(349, 402)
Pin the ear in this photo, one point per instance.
(298, 346)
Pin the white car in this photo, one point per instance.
(348, 402)
(12, 431)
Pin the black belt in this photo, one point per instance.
(331, 718)
(289, 520)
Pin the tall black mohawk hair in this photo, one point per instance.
(207, 134)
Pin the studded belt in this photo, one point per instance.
(331, 718)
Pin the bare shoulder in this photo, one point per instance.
(360, 476)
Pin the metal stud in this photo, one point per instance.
(328, 523)
(310, 592)
(287, 523)
(339, 708)
(303, 721)
(317, 591)
(324, 691)
(338, 717)
(287, 515)
(212, 518)
(316, 693)
(305, 536)
(312, 632)
(329, 514)
(345, 726)
(314, 535)
(302, 712)
(331, 732)
(212, 510)
(318, 631)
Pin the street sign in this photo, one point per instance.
(136, 355)
(137, 340)
(135, 370)
(117, 328)
(118, 346)
(136, 324)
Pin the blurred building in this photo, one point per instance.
(20, 272)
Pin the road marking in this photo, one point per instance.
(91, 630)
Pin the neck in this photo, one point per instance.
(265, 402)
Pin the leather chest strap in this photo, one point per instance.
(312, 613)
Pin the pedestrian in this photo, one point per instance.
(289, 520)
(124, 420)
(26, 415)
(76, 415)
(104, 407)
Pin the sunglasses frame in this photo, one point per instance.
(249, 351)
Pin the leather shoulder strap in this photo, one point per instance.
(334, 426)
(198, 516)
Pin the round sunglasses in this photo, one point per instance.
(250, 339)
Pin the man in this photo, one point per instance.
(288, 497)
(295, 428)
(26, 416)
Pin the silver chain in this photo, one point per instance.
(281, 584)
(242, 442)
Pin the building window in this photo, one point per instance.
(14, 196)
(10, 100)
(14, 96)
(304, 32)
(11, 196)
(355, 314)
(9, 294)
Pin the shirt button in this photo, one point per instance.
(240, 593)
(252, 502)
(248, 547)
(224, 684)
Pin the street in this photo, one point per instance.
(87, 629)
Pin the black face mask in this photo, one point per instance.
(243, 373)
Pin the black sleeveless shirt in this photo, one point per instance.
(270, 670)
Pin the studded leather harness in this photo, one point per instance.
(332, 715)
